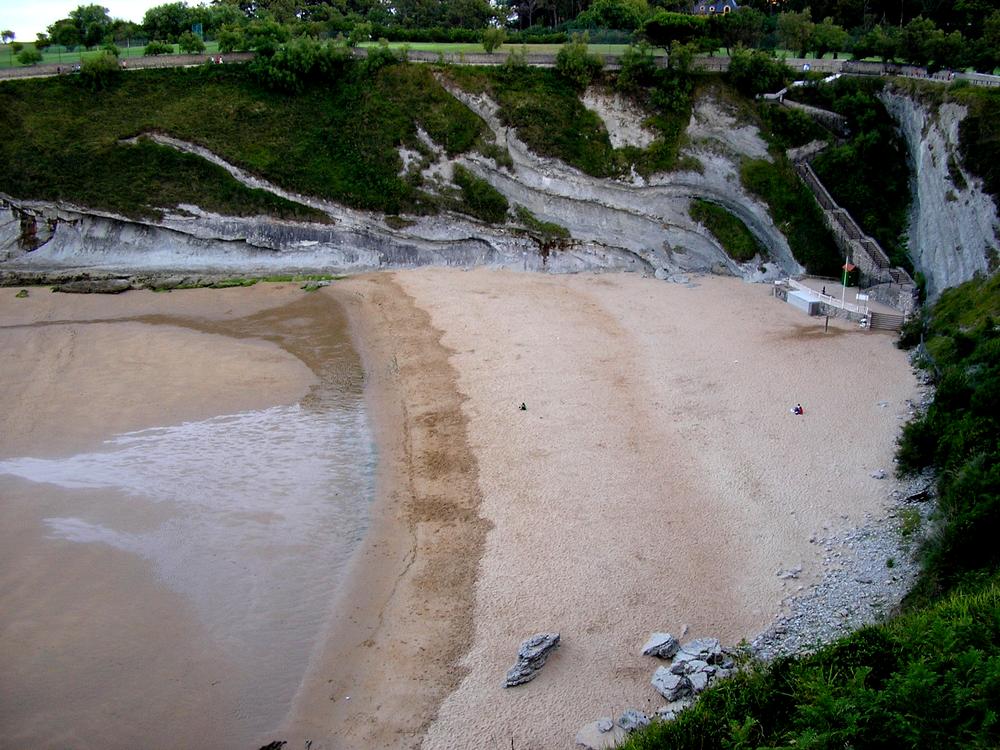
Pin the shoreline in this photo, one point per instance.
(402, 619)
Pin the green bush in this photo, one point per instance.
(158, 48)
(731, 233)
(493, 38)
(927, 679)
(638, 68)
(230, 39)
(100, 72)
(190, 43)
(576, 64)
(479, 198)
(29, 56)
(547, 231)
(308, 143)
(755, 72)
(360, 32)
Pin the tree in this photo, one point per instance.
(828, 37)
(230, 39)
(264, 37)
(42, 42)
(744, 28)
(493, 38)
(575, 63)
(918, 39)
(64, 33)
(795, 30)
(167, 21)
(7, 36)
(664, 28)
(881, 41)
(638, 68)
(29, 57)
(92, 24)
(755, 72)
(628, 15)
(190, 43)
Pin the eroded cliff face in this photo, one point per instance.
(634, 225)
(953, 225)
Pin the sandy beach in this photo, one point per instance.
(657, 479)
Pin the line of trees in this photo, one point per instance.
(930, 33)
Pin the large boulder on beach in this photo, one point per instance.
(661, 645)
(671, 686)
(531, 657)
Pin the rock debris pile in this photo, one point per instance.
(866, 573)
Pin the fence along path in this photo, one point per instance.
(706, 64)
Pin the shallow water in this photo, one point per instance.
(239, 526)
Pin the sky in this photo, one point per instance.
(27, 17)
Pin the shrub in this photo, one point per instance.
(731, 233)
(576, 64)
(479, 198)
(29, 57)
(493, 38)
(379, 57)
(230, 39)
(190, 43)
(100, 72)
(755, 72)
(637, 67)
(158, 48)
(111, 48)
(360, 32)
(515, 63)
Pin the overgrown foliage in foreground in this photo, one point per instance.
(929, 678)
(338, 139)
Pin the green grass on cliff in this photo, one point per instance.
(549, 117)
(337, 140)
(731, 233)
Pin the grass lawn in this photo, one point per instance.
(59, 56)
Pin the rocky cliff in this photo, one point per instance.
(953, 225)
(614, 224)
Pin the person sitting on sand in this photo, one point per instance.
(798, 409)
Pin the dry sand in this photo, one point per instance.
(657, 480)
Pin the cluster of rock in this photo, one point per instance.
(531, 657)
(694, 666)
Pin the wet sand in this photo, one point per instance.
(103, 646)
(656, 480)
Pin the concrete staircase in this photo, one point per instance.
(884, 322)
